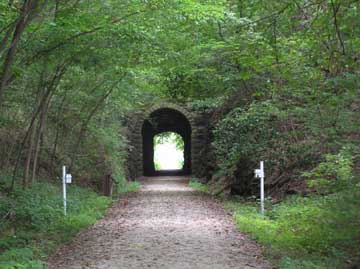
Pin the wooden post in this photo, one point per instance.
(107, 185)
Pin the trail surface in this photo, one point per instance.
(165, 225)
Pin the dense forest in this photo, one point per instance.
(280, 81)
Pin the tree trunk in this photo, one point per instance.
(86, 123)
(5, 39)
(56, 79)
(41, 128)
(25, 182)
(26, 15)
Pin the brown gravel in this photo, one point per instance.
(165, 225)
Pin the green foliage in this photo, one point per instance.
(208, 104)
(169, 140)
(110, 144)
(195, 184)
(124, 186)
(157, 165)
(318, 231)
(35, 223)
(313, 232)
(245, 133)
(19, 258)
(288, 72)
(169, 137)
(335, 173)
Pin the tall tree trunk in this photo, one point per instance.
(39, 135)
(5, 39)
(26, 15)
(25, 181)
(57, 134)
(60, 71)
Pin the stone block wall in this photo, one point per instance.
(199, 138)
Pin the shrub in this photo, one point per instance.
(195, 184)
(245, 133)
(334, 173)
(36, 223)
(124, 186)
(318, 231)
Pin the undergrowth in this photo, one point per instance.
(321, 230)
(124, 186)
(33, 224)
(195, 184)
(306, 232)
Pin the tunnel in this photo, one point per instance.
(160, 121)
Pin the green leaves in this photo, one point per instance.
(38, 225)
(334, 173)
(305, 232)
(245, 133)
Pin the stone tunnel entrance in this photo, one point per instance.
(143, 125)
(161, 121)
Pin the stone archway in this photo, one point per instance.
(192, 129)
(160, 121)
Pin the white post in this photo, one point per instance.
(262, 188)
(64, 187)
(260, 173)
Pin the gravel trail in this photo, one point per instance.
(164, 225)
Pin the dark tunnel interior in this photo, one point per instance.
(165, 120)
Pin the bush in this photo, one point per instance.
(36, 223)
(19, 258)
(334, 173)
(245, 133)
(319, 231)
(124, 186)
(195, 184)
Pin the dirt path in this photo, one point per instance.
(165, 225)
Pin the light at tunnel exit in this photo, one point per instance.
(168, 151)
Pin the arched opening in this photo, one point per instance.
(168, 151)
(162, 121)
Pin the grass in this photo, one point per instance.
(195, 184)
(124, 186)
(35, 224)
(314, 232)
(306, 232)
(131, 186)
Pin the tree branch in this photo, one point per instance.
(76, 36)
